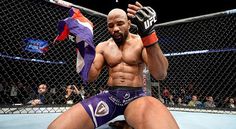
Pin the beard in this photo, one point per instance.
(119, 38)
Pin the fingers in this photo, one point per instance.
(132, 9)
(138, 4)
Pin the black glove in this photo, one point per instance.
(145, 19)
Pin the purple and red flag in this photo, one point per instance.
(80, 29)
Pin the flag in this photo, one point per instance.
(80, 30)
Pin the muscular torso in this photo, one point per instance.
(125, 63)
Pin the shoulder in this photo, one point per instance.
(137, 39)
(104, 44)
(135, 36)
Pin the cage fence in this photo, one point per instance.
(200, 51)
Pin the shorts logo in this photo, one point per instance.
(127, 95)
(102, 109)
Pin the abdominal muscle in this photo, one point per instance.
(126, 75)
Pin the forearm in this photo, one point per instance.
(156, 61)
(93, 73)
(145, 18)
(97, 64)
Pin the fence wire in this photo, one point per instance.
(201, 56)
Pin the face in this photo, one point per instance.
(210, 98)
(194, 98)
(118, 26)
(69, 88)
(42, 89)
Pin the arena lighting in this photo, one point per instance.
(199, 52)
(33, 60)
(168, 54)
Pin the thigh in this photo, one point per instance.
(74, 118)
(149, 113)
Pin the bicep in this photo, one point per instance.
(97, 65)
(98, 61)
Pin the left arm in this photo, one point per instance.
(145, 18)
(156, 62)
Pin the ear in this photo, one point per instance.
(129, 24)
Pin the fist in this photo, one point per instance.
(145, 19)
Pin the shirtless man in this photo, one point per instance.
(125, 55)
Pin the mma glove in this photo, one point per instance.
(145, 19)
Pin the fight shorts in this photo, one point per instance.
(111, 103)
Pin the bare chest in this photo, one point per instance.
(129, 55)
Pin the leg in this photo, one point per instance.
(74, 118)
(149, 113)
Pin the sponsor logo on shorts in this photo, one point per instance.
(102, 109)
(127, 95)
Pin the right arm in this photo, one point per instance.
(97, 64)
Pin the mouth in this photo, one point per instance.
(117, 35)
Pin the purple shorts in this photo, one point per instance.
(111, 103)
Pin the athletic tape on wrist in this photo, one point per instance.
(150, 39)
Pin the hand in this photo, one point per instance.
(35, 102)
(144, 18)
(132, 9)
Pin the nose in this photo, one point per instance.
(116, 29)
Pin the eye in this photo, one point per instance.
(120, 23)
(110, 25)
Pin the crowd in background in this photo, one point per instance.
(187, 98)
(36, 94)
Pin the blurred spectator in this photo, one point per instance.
(82, 92)
(224, 103)
(72, 95)
(22, 92)
(180, 102)
(42, 97)
(5, 94)
(171, 100)
(194, 102)
(165, 95)
(14, 92)
(181, 92)
(189, 92)
(209, 102)
(231, 103)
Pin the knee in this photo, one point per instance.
(51, 126)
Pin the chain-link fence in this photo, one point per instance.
(200, 51)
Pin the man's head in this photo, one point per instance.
(42, 89)
(118, 25)
(194, 98)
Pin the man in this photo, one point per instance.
(43, 97)
(125, 56)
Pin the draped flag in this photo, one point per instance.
(80, 29)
